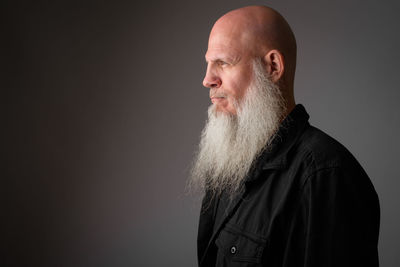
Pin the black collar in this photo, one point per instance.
(275, 156)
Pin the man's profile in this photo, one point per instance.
(278, 191)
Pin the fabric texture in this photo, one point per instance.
(306, 202)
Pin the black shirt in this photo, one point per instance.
(306, 202)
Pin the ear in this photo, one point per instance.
(275, 64)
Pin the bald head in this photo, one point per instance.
(259, 29)
(253, 32)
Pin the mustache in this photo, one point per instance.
(214, 93)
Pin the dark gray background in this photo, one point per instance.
(103, 107)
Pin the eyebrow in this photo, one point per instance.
(224, 58)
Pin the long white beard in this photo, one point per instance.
(230, 143)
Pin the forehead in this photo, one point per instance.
(225, 53)
(227, 43)
(222, 47)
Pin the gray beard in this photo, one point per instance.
(230, 144)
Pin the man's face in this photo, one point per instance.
(229, 69)
(230, 143)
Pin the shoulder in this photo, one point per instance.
(330, 169)
(325, 165)
(321, 152)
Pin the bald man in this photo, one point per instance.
(278, 191)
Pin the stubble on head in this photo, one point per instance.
(230, 144)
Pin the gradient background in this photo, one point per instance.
(103, 108)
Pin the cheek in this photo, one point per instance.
(238, 84)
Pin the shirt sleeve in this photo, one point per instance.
(336, 223)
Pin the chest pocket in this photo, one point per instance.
(239, 248)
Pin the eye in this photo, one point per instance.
(222, 63)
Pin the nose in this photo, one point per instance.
(211, 80)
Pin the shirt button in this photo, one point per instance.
(233, 249)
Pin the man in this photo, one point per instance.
(278, 191)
